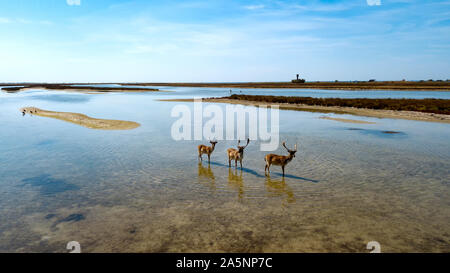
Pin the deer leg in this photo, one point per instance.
(240, 161)
(282, 167)
(209, 158)
(229, 162)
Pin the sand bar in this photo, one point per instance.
(82, 120)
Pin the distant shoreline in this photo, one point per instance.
(59, 87)
(340, 85)
(394, 114)
(384, 85)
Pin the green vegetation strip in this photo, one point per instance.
(436, 106)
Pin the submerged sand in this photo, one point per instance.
(394, 114)
(83, 120)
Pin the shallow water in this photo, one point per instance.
(141, 191)
(316, 93)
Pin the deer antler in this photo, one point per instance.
(295, 147)
(284, 145)
(248, 141)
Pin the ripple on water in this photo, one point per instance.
(47, 142)
(142, 191)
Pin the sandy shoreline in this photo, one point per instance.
(348, 120)
(82, 120)
(409, 115)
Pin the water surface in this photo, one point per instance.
(316, 93)
(141, 191)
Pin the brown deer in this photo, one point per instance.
(279, 160)
(202, 149)
(238, 154)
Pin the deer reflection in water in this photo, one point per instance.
(235, 181)
(206, 174)
(279, 188)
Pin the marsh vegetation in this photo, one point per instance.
(436, 106)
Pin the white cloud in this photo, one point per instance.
(45, 22)
(374, 2)
(23, 21)
(73, 2)
(254, 7)
(4, 20)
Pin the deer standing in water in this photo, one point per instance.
(238, 154)
(202, 149)
(279, 160)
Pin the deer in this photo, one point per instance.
(279, 160)
(202, 149)
(238, 154)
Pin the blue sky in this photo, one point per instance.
(223, 41)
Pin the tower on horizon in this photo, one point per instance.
(298, 80)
